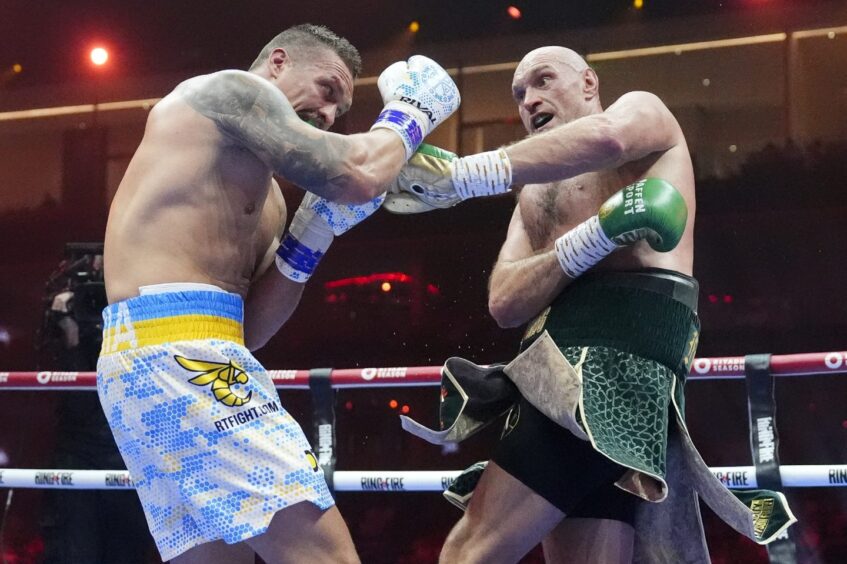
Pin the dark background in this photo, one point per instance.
(156, 36)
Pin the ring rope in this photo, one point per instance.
(736, 477)
(708, 368)
(741, 477)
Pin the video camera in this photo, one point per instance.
(74, 298)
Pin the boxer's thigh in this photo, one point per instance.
(590, 541)
(504, 520)
(216, 552)
(305, 533)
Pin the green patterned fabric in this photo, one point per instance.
(625, 406)
(633, 338)
(641, 337)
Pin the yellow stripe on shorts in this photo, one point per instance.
(161, 330)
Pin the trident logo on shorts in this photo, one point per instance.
(221, 376)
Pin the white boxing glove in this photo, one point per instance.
(312, 230)
(418, 95)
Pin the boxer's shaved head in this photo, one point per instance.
(552, 86)
(553, 55)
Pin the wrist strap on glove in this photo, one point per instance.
(400, 118)
(582, 247)
(306, 242)
(313, 228)
(483, 174)
(295, 260)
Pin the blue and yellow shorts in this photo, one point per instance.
(212, 453)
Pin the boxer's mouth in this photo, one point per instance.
(540, 120)
(311, 118)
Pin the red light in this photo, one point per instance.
(99, 56)
(727, 299)
(713, 298)
(432, 289)
(844, 424)
(393, 404)
(404, 409)
(348, 405)
(370, 279)
(514, 12)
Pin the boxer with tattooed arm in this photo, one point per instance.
(196, 278)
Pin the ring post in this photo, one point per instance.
(323, 421)
(764, 443)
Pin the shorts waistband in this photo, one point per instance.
(650, 313)
(681, 287)
(156, 319)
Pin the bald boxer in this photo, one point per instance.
(598, 263)
(197, 277)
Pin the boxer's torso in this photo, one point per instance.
(192, 207)
(550, 210)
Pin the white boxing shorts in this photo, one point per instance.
(211, 452)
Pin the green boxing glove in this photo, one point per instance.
(437, 179)
(650, 209)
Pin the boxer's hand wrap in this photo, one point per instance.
(435, 179)
(650, 209)
(582, 247)
(312, 230)
(483, 174)
(418, 95)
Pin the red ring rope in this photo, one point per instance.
(714, 368)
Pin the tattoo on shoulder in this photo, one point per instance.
(242, 106)
(221, 95)
(260, 118)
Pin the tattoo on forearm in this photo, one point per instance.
(261, 119)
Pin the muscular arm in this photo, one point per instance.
(636, 125)
(271, 301)
(523, 281)
(256, 115)
(271, 298)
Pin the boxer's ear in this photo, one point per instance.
(278, 59)
(590, 84)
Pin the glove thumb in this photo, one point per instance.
(390, 78)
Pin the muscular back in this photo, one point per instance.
(550, 210)
(192, 207)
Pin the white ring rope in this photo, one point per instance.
(737, 477)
